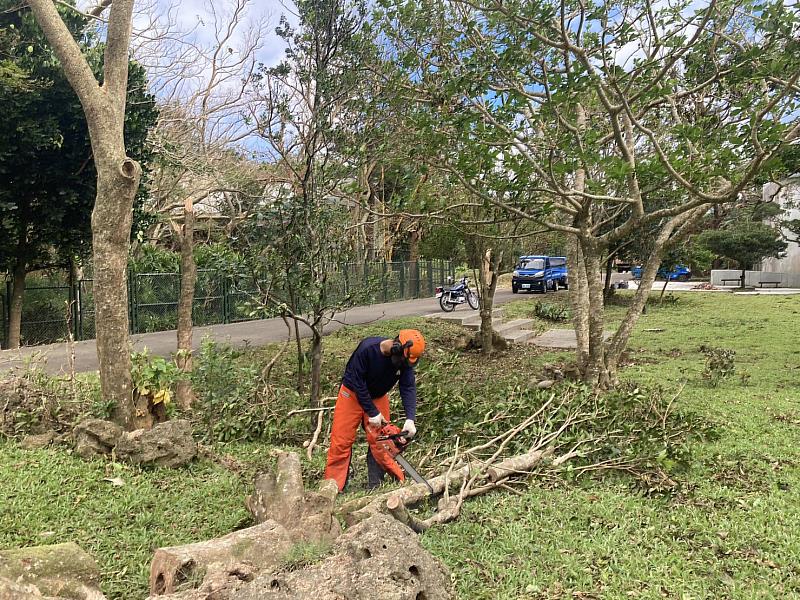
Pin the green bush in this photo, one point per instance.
(558, 313)
(234, 401)
(154, 376)
(720, 365)
(154, 259)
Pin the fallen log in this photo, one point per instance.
(60, 570)
(357, 510)
(378, 559)
(286, 515)
(398, 510)
(517, 465)
(238, 554)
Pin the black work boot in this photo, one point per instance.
(375, 472)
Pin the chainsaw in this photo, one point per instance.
(393, 442)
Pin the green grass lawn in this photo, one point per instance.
(730, 530)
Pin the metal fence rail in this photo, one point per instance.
(51, 312)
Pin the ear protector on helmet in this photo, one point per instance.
(398, 353)
(398, 349)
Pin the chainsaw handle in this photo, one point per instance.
(396, 436)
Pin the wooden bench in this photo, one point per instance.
(766, 279)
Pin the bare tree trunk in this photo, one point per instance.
(742, 279)
(117, 182)
(488, 284)
(301, 382)
(579, 299)
(664, 288)
(183, 358)
(413, 256)
(619, 342)
(595, 371)
(316, 373)
(607, 290)
(579, 283)
(15, 303)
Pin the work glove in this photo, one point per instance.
(377, 420)
(409, 429)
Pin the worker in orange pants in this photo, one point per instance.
(376, 365)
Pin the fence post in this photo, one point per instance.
(385, 283)
(224, 293)
(80, 310)
(402, 280)
(430, 277)
(131, 302)
(73, 307)
(6, 314)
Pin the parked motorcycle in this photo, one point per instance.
(450, 297)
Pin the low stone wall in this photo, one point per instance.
(752, 278)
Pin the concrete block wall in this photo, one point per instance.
(751, 278)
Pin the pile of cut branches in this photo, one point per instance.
(572, 432)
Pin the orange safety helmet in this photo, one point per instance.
(412, 344)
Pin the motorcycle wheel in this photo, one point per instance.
(472, 300)
(446, 305)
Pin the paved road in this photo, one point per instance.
(253, 333)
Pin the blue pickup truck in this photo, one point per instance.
(539, 273)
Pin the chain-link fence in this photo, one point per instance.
(3, 317)
(50, 312)
(47, 312)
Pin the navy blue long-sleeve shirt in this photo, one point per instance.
(370, 375)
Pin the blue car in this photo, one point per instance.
(678, 273)
(539, 273)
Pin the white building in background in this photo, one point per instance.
(788, 196)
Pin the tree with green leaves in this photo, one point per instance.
(47, 175)
(600, 119)
(303, 113)
(745, 242)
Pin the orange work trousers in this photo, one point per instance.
(347, 416)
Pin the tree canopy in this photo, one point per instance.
(47, 175)
(600, 120)
(744, 242)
